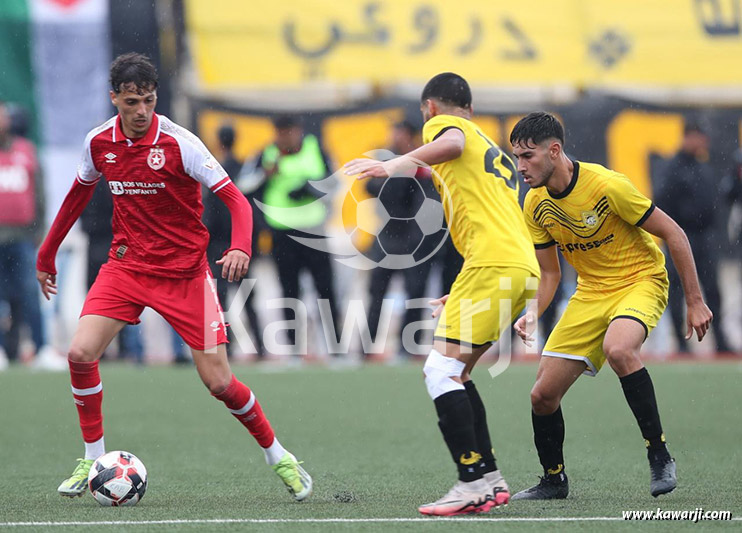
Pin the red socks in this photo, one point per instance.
(87, 390)
(242, 403)
(88, 393)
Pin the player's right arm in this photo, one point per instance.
(446, 147)
(551, 275)
(72, 207)
(551, 272)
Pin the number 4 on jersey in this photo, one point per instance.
(491, 164)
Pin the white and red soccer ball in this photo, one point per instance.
(117, 478)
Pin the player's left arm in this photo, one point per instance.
(661, 225)
(636, 209)
(446, 147)
(236, 260)
(199, 164)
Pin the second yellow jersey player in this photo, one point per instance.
(621, 271)
(602, 225)
(479, 191)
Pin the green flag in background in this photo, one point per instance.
(54, 57)
(16, 72)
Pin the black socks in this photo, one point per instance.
(548, 430)
(484, 444)
(548, 435)
(639, 392)
(456, 420)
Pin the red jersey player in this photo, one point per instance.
(155, 169)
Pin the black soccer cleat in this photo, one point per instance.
(662, 468)
(550, 487)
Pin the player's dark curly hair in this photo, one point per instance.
(449, 88)
(133, 68)
(537, 127)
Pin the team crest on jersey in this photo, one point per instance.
(156, 158)
(590, 218)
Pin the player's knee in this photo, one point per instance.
(618, 354)
(81, 355)
(544, 402)
(216, 385)
(623, 360)
(440, 372)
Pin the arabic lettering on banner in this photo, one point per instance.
(688, 43)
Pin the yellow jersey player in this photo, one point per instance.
(601, 224)
(479, 189)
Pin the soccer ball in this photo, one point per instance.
(117, 478)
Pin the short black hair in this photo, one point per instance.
(536, 128)
(226, 135)
(287, 120)
(412, 127)
(133, 68)
(449, 88)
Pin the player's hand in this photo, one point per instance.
(525, 327)
(699, 319)
(234, 265)
(371, 168)
(48, 283)
(366, 168)
(438, 305)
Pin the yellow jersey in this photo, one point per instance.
(595, 223)
(479, 192)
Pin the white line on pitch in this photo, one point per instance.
(314, 521)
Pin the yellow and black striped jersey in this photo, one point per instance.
(595, 223)
(479, 191)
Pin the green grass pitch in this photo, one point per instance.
(367, 435)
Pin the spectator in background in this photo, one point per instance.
(732, 190)
(688, 193)
(217, 221)
(96, 223)
(280, 178)
(451, 262)
(401, 197)
(21, 228)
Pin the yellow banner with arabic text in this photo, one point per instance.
(668, 43)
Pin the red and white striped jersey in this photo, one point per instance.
(156, 186)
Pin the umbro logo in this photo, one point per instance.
(110, 157)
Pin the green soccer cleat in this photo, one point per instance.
(76, 484)
(296, 479)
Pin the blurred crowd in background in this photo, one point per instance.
(283, 104)
(686, 187)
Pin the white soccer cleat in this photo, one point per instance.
(500, 489)
(463, 498)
